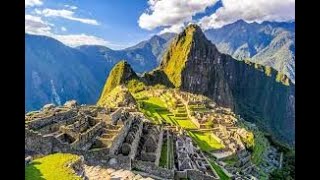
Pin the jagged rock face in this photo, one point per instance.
(246, 88)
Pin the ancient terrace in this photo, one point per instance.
(119, 138)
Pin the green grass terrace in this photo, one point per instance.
(207, 141)
(52, 167)
(157, 111)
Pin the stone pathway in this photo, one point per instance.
(100, 173)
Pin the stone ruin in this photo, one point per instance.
(190, 158)
(114, 137)
(150, 144)
(73, 128)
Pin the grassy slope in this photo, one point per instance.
(51, 167)
(113, 80)
(219, 171)
(206, 141)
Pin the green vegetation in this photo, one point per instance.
(176, 56)
(187, 124)
(260, 145)
(117, 77)
(136, 86)
(117, 96)
(164, 155)
(219, 171)
(155, 109)
(248, 140)
(231, 160)
(288, 170)
(52, 167)
(207, 141)
(288, 165)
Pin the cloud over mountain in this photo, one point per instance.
(171, 12)
(250, 10)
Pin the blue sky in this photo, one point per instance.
(122, 23)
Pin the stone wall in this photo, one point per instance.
(117, 141)
(39, 144)
(135, 143)
(116, 115)
(78, 168)
(86, 137)
(41, 122)
(119, 162)
(158, 151)
(196, 174)
(180, 175)
(151, 168)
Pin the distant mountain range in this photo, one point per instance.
(56, 73)
(268, 43)
(144, 56)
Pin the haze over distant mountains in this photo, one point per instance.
(56, 73)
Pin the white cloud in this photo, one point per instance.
(177, 28)
(74, 40)
(30, 3)
(63, 29)
(71, 7)
(35, 25)
(250, 10)
(171, 12)
(67, 14)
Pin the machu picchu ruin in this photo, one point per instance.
(186, 137)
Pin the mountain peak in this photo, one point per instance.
(189, 41)
(120, 74)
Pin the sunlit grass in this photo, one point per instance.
(207, 141)
(52, 167)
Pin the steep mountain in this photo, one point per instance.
(268, 43)
(143, 57)
(55, 73)
(120, 74)
(115, 91)
(259, 93)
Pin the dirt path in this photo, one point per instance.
(100, 173)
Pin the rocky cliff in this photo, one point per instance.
(261, 94)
